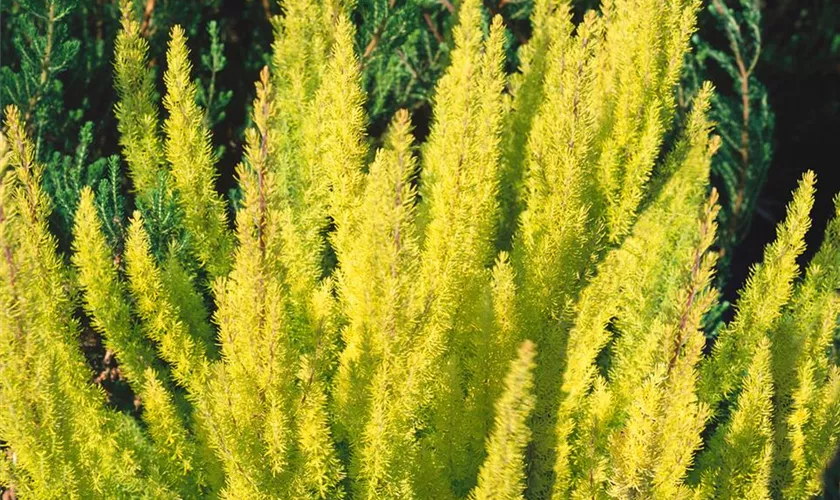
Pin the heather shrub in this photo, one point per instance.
(515, 308)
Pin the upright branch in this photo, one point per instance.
(189, 151)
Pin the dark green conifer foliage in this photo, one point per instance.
(45, 50)
(45, 55)
(404, 48)
(740, 109)
(212, 99)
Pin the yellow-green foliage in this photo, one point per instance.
(591, 149)
(768, 289)
(181, 166)
(636, 302)
(137, 113)
(503, 473)
(741, 453)
(350, 337)
(63, 442)
(189, 152)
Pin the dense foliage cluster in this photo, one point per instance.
(515, 308)
(403, 48)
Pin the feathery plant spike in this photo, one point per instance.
(458, 223)
(803, 377)
(160, 318)
(684, 351)
(459, 183)
(254, 418)
(652, 453)
(641, 67)
(653, 246)
(299, 59)
(813, 432)
(189, 151)
(107, 302)
(552, 25)
(824, 277)
(604, 117)
(136, 110)
(331, 158)
(740, 455)
(304, 100)
(472, 85)
(378, 251)
(64, 441)
(827, 258)
(340, 127)
(557, 235)
(283, 422)
(503, 472)
(105, 297)
(25, 239)
(141, 139)
(767, 290)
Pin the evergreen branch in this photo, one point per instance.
(45, 63)
(767, 290)
(448, 5)
(502, 475)
(739, 458)
(188, 149)
(744, 75)
(428, 18)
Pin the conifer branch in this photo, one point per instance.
(137, 113)
(768, 289)
(502, 475)
(189, 151)
(739, 459)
